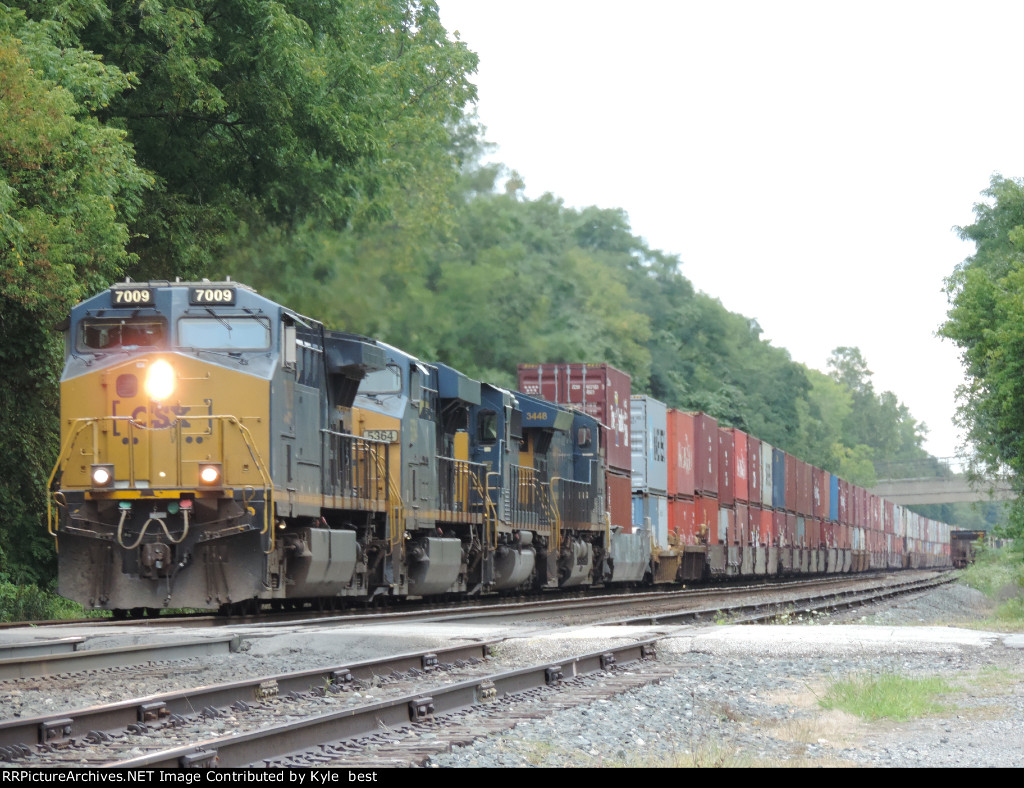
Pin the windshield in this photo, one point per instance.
(383, 381)
(111, 334)
(224, 333)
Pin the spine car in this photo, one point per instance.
(220, 451)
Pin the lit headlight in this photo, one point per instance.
(159, 380)
(102, 475)
(209, 474)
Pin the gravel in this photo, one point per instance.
(756, 703)
(739, 696)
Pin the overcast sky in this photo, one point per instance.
(807, 161)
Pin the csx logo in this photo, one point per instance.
(161, 417)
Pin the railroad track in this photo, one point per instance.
(382, 712)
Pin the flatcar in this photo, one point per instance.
(221, 451)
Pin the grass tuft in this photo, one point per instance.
(887, 696)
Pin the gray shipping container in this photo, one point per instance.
(648, 431)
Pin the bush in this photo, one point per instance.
(29, 603)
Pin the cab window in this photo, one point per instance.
(382, 381)
(487, 427)
(112, 334)
(224, 333)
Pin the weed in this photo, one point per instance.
(887, 696)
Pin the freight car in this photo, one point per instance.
(220, 451)
(962, 546)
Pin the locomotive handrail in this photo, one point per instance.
(396, 511)
(497, 517)
(78, 425)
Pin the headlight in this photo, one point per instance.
(102, 475)
(209, 474)
(159, 380)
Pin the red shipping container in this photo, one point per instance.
(740, 483)
(752, 535)
(844, 502)
(742, 530)
(680, 453)
(706, 512)
(764, 534)
(820, 484)
(754, 469)
(599, 390)
(682, 520)
(791, 540)
(815, 539)
(705, 443)
(726, 468)
(620, 500)
(804, 488)
(778, 528)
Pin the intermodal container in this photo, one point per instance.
(791, 481)
(740, 476)
(648, 429)
(726, 467)
(819, 492)
(742, 532)
(833, 498)
(682, 520)
(650, 512)
(767, 476)
(706, 511)
(705, 434)
(779, 528)
(619, 491)
(778, 479)
(764, 534)
(599, 390)
(754, 470)
(680, 453)
(726, 525)
(804, 490)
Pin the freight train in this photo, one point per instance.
(221, 451)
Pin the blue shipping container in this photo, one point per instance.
(833, 498)
(648, 437)
(651, 511)
(778, 478)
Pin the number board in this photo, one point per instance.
(132, 296)
(388, 436)
(205, 296)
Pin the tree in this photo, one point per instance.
(986, 322)
(68, 188)
(272, 114)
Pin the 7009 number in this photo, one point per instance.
(211, 295)
(132, 297)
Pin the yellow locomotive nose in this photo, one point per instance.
(159, 383)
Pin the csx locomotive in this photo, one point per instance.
(220, 451)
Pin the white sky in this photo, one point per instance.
(807, 161)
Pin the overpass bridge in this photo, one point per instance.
(909, 492)
(950, 486)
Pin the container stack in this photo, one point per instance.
(601, 391)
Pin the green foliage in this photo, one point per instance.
(887, 696)
(986, 322)
(68, 188)
(29, 603)
(273, 113)
(995, 572)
